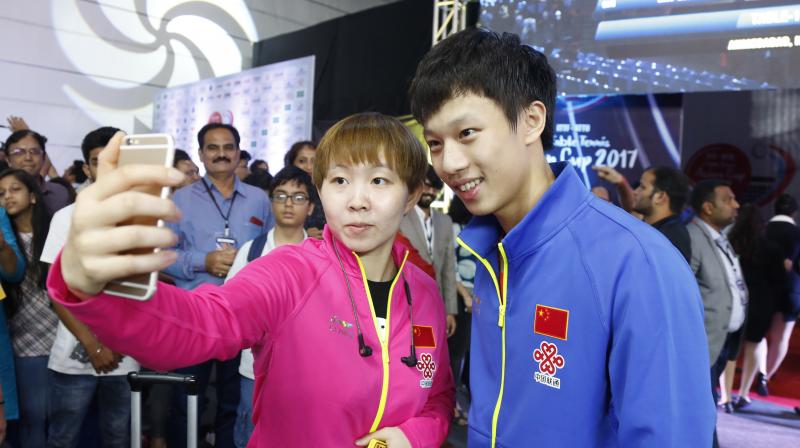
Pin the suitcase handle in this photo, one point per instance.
(138, 380)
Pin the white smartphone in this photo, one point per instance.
(143, 149)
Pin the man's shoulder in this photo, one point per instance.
(783, 227)
(674, 227)
(442, 217)
(254, 193)
(55, 186)
(696, 231)
(187, 192)
(408, 220)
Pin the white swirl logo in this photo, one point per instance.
(127, 49)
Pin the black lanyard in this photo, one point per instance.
(727, 255)
(219, 209)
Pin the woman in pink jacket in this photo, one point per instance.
(330, 321)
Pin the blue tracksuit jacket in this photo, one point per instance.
(625, 360)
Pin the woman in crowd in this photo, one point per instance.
(12, 269)
(330, 321)
(764, 272)
(302, 155)
(32, 321)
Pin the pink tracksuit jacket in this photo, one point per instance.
(312, 387)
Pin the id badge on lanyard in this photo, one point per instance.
(223, 239)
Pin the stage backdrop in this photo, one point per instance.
(271, 106)
(751, 139)
(628, 132)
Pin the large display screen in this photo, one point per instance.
(642, 46)
(629, 133)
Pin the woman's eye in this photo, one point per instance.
(380, 181)
(339, 180)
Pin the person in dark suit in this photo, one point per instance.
(660, 198)
(783, 231)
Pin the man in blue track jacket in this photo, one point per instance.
(588, 324)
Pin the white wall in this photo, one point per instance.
(69, 66)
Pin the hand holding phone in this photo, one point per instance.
(145, 149)
(114, 225)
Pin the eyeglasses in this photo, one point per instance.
(21, 152)
(297, 198)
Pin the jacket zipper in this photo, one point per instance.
(383, 341)
(502, 297)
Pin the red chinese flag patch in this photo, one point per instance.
(551, 322)
(423, 337)
(256, 221)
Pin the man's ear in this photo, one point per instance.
(662, 197)
(532, 122)
(310, 209)
(413, 198)
(85, 169)
(708, 208)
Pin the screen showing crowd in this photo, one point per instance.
(643, 46)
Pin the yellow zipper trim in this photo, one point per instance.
(384, 344)
(501, 322)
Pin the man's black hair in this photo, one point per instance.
(292, 173)
(180, 156)
(674, 183)
(261, 179)
(481, 62)
(211, 126)
(254, 165)
(77, 171)
(786, 204)
(433, 178)
(244, 155)
(98, 138)
(704, 191)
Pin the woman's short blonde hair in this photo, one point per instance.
(363, 138)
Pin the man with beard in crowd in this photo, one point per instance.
(660, 198)
(431, 234)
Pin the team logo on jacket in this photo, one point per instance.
(549, 362)
(427, 367)
(340, 326)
